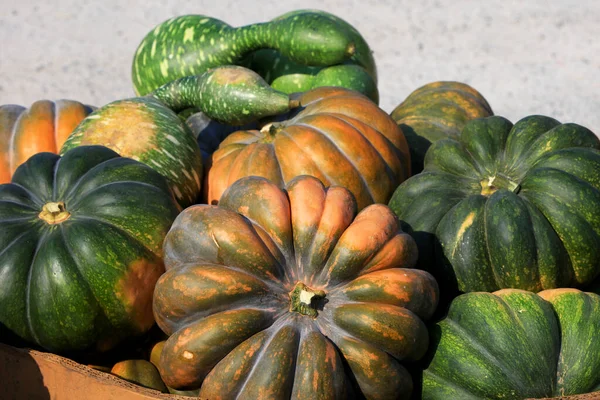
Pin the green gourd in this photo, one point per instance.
(192, 44)
(148, 129)
(357, 73)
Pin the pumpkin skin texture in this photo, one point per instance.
(81, 248)
(436, 111)
(533, 346)
(44, 126)
(511, 206)
(140, 372)
(336, 135)
(289, 294)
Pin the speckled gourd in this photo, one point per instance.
(148, 129)
(192, 44)
(357, 73)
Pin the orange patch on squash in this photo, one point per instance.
(125, 127)
(135, 290)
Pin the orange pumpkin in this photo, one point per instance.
(42, 127)
(336, 135)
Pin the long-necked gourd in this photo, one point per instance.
(192, 44)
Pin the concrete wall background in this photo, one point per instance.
(534, 57)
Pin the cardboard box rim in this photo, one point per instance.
(32, 374)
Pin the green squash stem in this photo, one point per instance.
(231, 95)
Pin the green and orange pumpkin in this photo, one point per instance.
(291, 294)
(336, 135)
(81, 248)
(44, 126)
(436, 111)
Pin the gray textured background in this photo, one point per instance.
(535, 57)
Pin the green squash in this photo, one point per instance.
(505, 206)
(81, 248)
(514, 344)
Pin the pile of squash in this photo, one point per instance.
(254, 226)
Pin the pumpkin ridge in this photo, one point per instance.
(41, 239)
(485, 352)
(450, 383)
(284, 132)
(497, 277)
(274, 328)
(349, 120)
(116, 227)
(354, 168)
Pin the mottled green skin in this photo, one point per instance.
(192, 44)
(144, 129)
(85, 282)
(529, 347)
(277, 71)
(358, 73)
(545, 233)
(227, 94)
(436, 111)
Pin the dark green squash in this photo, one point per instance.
(81, 248)
(505, 206)
(290, 294)
(436, 111)
(514, 344)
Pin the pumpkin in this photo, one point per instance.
(532, 346)
(508, 206)
(81, 248)
(336, 135)
(290, 294)
(140, 372)
(44, 126)
(436, 111)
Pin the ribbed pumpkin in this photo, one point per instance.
(44, 126)
(436, 111)
(336, 135)
(512, 206)
(514, 344)
(81, 248)
(289, 294)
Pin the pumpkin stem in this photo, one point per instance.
(54, 213)
(499, 181)
(228, 94)
(302, 299)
